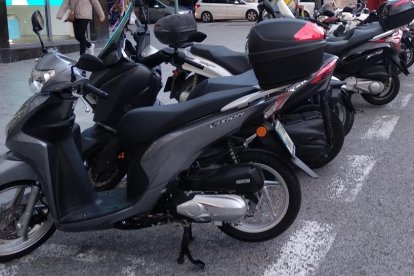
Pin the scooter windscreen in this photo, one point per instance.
(111, 53)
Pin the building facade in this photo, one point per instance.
(18, 41)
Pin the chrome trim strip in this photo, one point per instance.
(387, 33)
(245, 100)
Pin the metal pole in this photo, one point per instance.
(176, 6)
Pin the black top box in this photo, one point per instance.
(397, 13)
(174, 30)
(284, 50)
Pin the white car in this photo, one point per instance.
(209, 10)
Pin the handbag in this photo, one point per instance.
(71, 17)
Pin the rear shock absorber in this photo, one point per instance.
(232, 152)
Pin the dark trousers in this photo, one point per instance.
(80, 26)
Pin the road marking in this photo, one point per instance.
(8, 270)
(405, 100)
(381, 128)
(348, 181)
(400, 102)
(303, 252)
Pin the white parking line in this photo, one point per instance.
(304, 251)
(400, 102)
(8, 270)
(405, 100)
(348, 181)
(381, 128)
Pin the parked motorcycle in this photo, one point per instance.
(186, 162)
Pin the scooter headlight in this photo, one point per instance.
(39, 78)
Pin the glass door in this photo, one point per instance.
(19, 22)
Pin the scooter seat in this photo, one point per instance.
(355, 37)
(247, 79)
(148, 123)
(234, 62)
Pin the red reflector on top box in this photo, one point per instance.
(284, 50)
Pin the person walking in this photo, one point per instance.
(117, 11)
(82, 10)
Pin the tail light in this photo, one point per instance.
(324, 72)
(309, 31)
(280, 101)
(197, 6)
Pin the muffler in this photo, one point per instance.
(213, 208)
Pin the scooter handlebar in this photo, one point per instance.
(88, 88)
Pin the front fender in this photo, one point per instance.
(13, 169)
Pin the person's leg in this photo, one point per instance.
(82, 25)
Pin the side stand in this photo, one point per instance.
(185, 250)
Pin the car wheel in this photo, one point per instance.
(251, 15)
(206, 17)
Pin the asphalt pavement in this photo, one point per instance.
(356, 219)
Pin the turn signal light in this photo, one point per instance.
(261, 131)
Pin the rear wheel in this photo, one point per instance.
(13, 200)
(278, 202)
(391, 89)
(206, 17)
(251, 15)
(337, 140)
(186, 87)
(338, 105)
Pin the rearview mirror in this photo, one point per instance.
(37, 21)
(90, 63)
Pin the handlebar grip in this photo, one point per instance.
(154, 59)
(94, 90)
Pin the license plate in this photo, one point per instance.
(284, 136)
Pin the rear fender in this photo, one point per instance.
(13, 169)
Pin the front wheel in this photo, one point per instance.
(13, 200)
(391, 89)
(278, 203)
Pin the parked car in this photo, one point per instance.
(209, 10)
(156, 9)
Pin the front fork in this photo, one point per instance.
(23, 223)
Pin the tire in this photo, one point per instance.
(390, 92)
(343, 112)
(409, 54)
(39, 231)
(338, 138)
(286, 177)
(185, 88)
(251, 15)
(338, 141)
(206, 17)
(108, 179)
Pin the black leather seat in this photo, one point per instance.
(247, 79)
(148, 123)
(235, 62)
(353, 38)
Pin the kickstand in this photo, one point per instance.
(185, 250)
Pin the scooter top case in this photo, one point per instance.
(277, 48)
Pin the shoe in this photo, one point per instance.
(91, 50)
